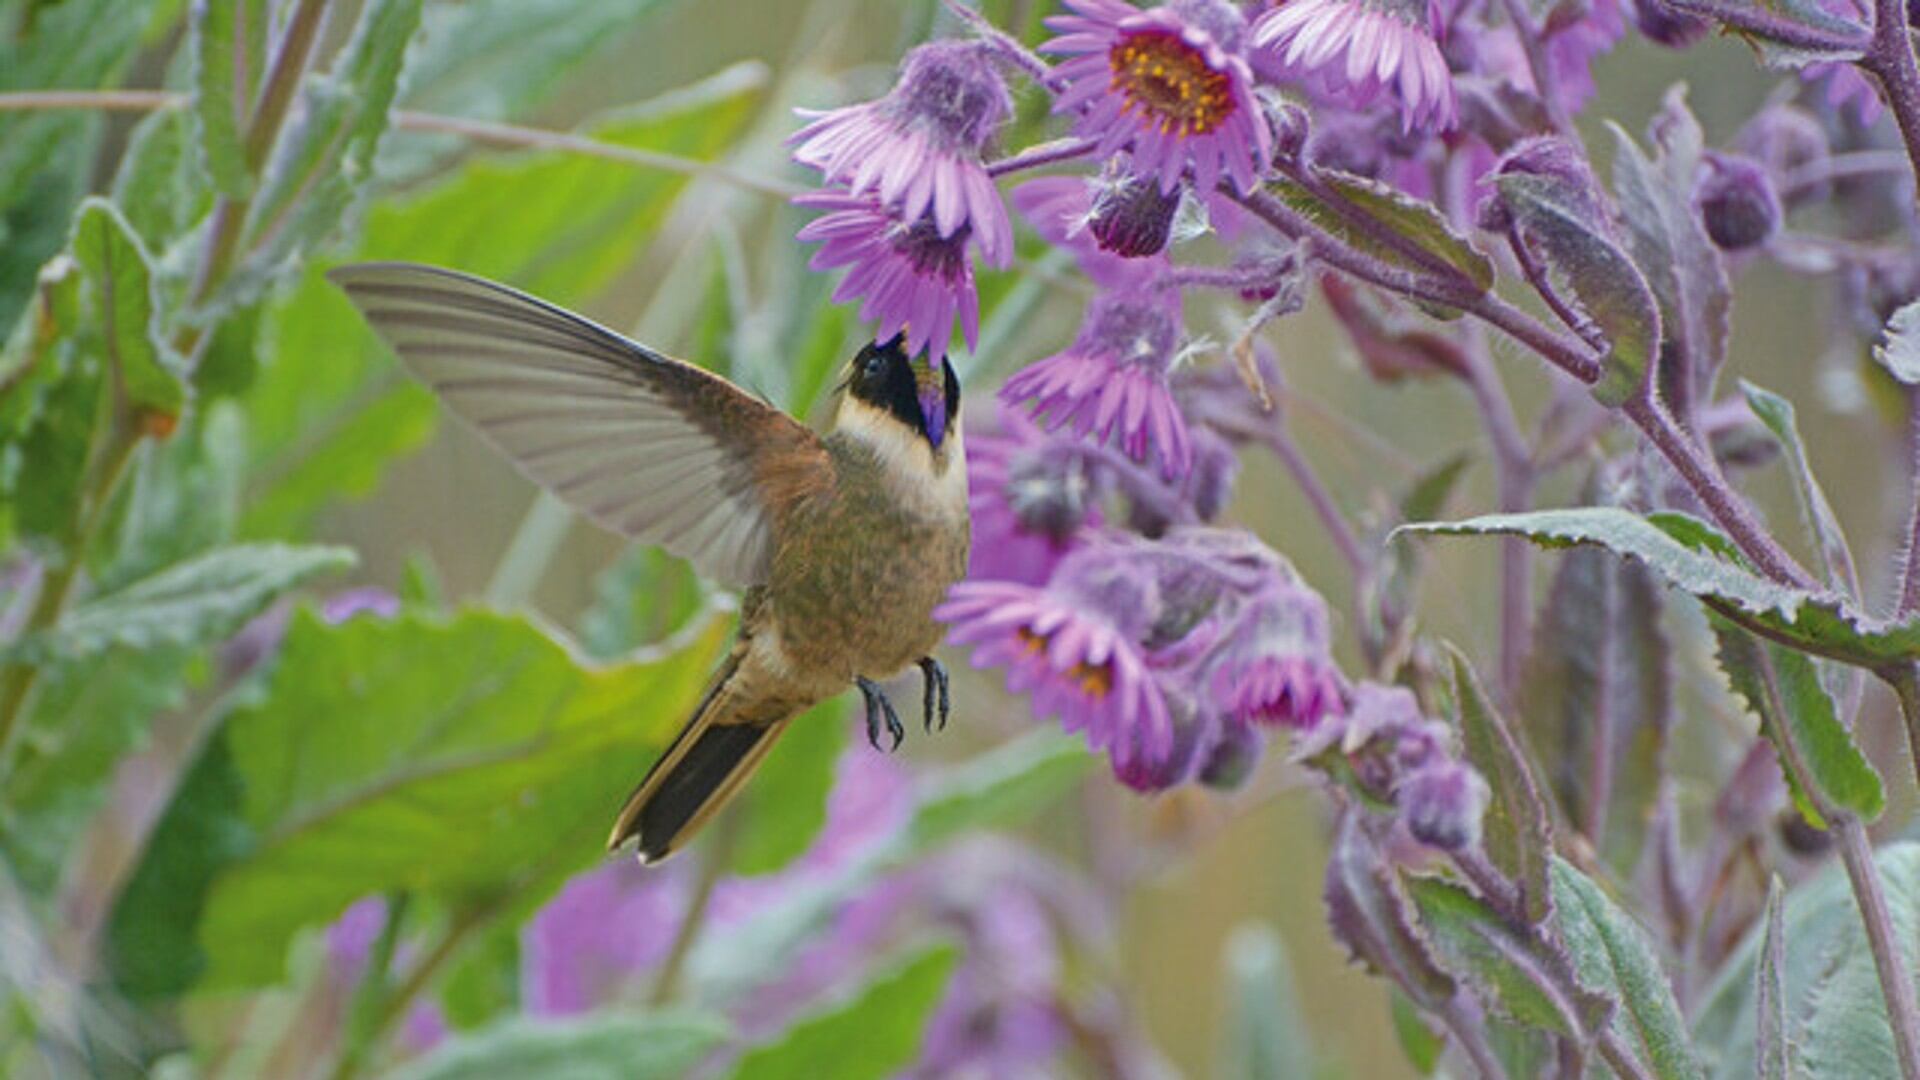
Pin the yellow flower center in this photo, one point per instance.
(1094, 680)
(1169, 81)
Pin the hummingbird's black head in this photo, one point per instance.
(918, 395)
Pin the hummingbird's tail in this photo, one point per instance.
(709, 760)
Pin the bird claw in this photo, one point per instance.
(878, 707)
(934, 676)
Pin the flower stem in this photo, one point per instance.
(1514, 481)
(1895, 982)
(713, 866)
(1889, 59)
(363, 1011)
(1046, 153)
(1760, 22)
(1345, 540)
(1909, 599)
(1545, 81)
(1004, 43)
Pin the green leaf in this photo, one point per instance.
(229, 55)
(484, 982)
(159, 185)
(1420, 1042)
(184, 498)
(1605, 283)
(1771, 1048)
(1356, 209)
(1008, 784)
(452, 758)
(1823, 765)
(1473, 941)
(644, 597)
(874, 1034)
(74, 45)
(1835, 1018)
(1816, 512)
(1611, 955)
(1370, 914)
(1266, 1035)
(121, 281)
(610, 1046)
(1519, 837)
(1900, 352)
(1598, 699)
(51, 402)
(198, 601)
(1667, 240)
(786, 805)
(1692, 556)
(344, 462)
(321, 166)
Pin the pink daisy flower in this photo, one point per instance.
(1356, 49)
(918, 149)
(1170, 83)
(1112, 381)
(1071, 652)
(914, 280)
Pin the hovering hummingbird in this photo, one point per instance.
(843, 543)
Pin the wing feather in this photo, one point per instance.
(643, 444)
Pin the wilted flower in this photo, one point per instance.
(914, 279)
(1396, 756)
(1737, 203)
(918, 149)
(1357, 49)
(1132, 217)
(1113, 380)
(1275, 668)
(1060, 209)
(1169, 83)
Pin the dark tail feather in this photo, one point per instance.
(709, 760)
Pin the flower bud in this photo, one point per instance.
(1663, 25)
(1133, 218)
(1442, 805)
(1049, 492)
(1736, 202)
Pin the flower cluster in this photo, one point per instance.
(1396, 757)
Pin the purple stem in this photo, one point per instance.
(1909, 601)
(1230, 278)
(1889, 59)
(1470, 1033)
(1005, 44)
(1046, 153)
(1536, 276)
(1895, 984)
(1513, 479)
(1328, 511)
(1756, 20)
(1141, 485)
(1545, 81)
(1842, 167)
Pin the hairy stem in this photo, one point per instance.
(1545, 80)
(1896, 984)
(1514, 480)
(1325, 508)
(1046, 153)
(1904, 679)
(1889, 59)
(1909, 599)
(1759, 21)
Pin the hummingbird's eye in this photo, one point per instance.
(874, 365)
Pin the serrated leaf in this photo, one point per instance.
(1612, 957)
(610, 1046)
(445, 757)
(120, 278)
(1899, 351)
(1789, 54)
(1266, 1033)
(872, 1035)
(1816, 512)
(1669, 243)
(1474, 942)
(1384, 206)
(229, 56)
(1519, 836)
(1604, 282)
(1835, 1016)
(160, 186)
(1823, 765)
(1369, 913)
(1692, 556)
(1771, 1048)
(195, 602)
(323, 163)
(1599, 681)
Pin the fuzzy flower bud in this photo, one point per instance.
(1737, 203)
(1443, 804)
(1133, 218)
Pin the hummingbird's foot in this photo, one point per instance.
(878, 707)
(934, 676)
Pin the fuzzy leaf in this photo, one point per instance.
(1816, 512)
(121, 281)
(160, 185)
(1368, 912)
(1611, 956)
(1413, 220)
(75, 45)
(606, 1046)
(1599, 681)
(229, 57)
(1900, 352)
(872, 1035)
(1692, 556)
(1771, 1048)
(1605, 283)
(1824, 766)
(1670, 245)
(1476, 943)
(446, 757)
(1266, 1035)
(51, 383)
(198, 601)
(1519, 836)
(1420, 1042)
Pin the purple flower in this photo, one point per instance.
(1442, 805)
(1356, 49)
(1073, 644)
(1060, 209)
(603, 928)
(1276, 669)
(1169, 83)
(1133, 218)
(1113, 380)
(917, 150)
(1030, 495)
(1737, 202)
(914, 280)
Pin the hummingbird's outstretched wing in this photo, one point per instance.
(646, 445)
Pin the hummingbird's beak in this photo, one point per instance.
(930, 381)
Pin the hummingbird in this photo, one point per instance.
(842, 542)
